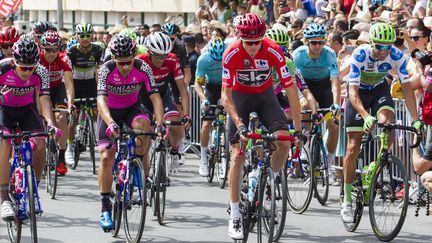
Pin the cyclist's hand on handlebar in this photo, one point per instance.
(369, 124)
(335, 108)
(161, 131)
(317, 118)
(54, 130)
(419, 126)
(242, 132)
(187, 121)
(112, 130)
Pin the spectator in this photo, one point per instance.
(340, 25)
(200, 42)
(205, 30)
(190, 45)
(218, 11)
(233, 5)
(350, 35)
(8, 21)
(155, 28)
(106, 38)
(335, 41)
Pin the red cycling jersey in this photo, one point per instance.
(170, 70)
(57, 68)
(250, 75)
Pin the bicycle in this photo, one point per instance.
(218, 154)
(85, 133)
(160, 181)
(128, 193)
(378, 187)
(23, 191)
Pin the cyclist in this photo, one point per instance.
(209, 67)
(21, 78)
(8, 36)
(166, 67)
(247, 86)
(85, 58)
(119, 84)
(318, 64)
(369, 97)
(61, 86)
(39, 28)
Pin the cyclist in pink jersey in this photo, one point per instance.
(119, 85)
(22, 79)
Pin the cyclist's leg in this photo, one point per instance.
(59, 100)
(171, 114)
(383, 107)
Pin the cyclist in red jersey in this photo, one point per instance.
(166, 68)
(246, 87)
(8, 36)
(62, 93)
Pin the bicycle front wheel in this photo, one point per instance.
(321, 177)
(31, 194)
(160, 186)
(387, 211)
(116, 202)
(91, 141)
(134, 201)
(299, 180)
(223, 159)
(51, 168)
(266, 206)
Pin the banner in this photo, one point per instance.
(7, 7)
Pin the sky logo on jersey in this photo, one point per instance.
(260, 63)
(253, 77)
(231, 54)
(285, 73)
(276, 53)
(226, 73)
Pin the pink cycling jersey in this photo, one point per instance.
(123, 92)
(22, 92)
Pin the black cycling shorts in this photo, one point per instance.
(58, 96)
(175, 91)
(283, 101)
(265, 104)
(213, 94)
(85, 88)
(26, 116)
(376, 100)
(120, 116)
(321, 90)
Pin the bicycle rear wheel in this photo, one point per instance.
(14, 227)
(387, 212)
(223, 159)
(91, 141)
(321, 177)
(116, 202)
(51, 168)
(134, 201)
(31, 188)
(357, 204)
(299, 180)
(266, 206)
(160, 186)
(212, 160)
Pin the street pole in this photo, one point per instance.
(59, 14)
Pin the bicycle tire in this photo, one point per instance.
(321, 177)
(378, 184)
(91, 141)
(160, 187)
(31, 187)
(51, 168)
(14, 227)
(223, 161)
(295, 184)
(358, 204)
(117, 208)
(211, 157)
(154, 177)
(280, 202)
(266, 179)
(135, 181)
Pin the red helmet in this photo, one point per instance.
(9, 35)
(251, 26)
(51, 38)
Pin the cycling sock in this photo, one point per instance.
(348, 189)
(204, 152)
(70, 141)
(62, 155)
(106, 203)
(235, 210)
(4, 188)
(174, 150)
(330, 160)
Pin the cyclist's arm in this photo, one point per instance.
(354, 98)
(229, 106)
(103, 109)
(70, 90)
(187, 76)
(410, 100)
(46, 106)
(157, 107)
(184, 94)
(199, 82)
(310, 100)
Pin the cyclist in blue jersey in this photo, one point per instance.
(209, 68)
(369, 98)
(318, 64)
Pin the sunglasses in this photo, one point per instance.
(317, 42)
(26, 68)
(7, 46)
(252, 43)
(85, 36)
(416, 38)
(124, 63)
(381, 47)
(52, 50)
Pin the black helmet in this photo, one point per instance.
(26, 51)
(122, 46)
(40, 27)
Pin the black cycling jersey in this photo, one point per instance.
(84, 64)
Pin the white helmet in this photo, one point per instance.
(158, 43)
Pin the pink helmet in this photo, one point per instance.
(251, 26)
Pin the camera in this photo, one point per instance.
(425, 58)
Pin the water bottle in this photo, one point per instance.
(121, 171)
(252, 184)
(19, 188)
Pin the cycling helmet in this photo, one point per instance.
(122, 46)
(140, 40)
(84, 28)
(170, 29)
(129, 32)
(383, 33)
(40, 27)
(379, 2)
(9, 35)
(314, 30)
(279, 36)
(216, 49)
(51, 38)
(26, 51)
(251, 26)
(71, 42)
(158, 43)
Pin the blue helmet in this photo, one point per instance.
(314, 30)
(378, 2)
(71, 42)
(216, 49)
(170, 29)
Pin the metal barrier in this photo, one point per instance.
(193, 143)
